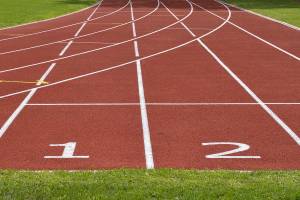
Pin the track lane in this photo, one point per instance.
(267, 70)
(183, 124)
(114, 144)
(201, 124)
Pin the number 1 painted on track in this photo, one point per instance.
(68, 151)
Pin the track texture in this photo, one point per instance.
(151, 84)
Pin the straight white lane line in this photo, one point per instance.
(249, 33)
(157, 104)
(143, 108)
(15, 114)
(66, 48)
(79, 30)
(287, 129)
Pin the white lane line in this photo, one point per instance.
(90, 42)
(66, 48)
(66, 26)
(106, 69)
(284, 126)
(84, 24)
(262, 16)
(79, 30)
(82, 36)
(51, 19)
(195, 28)
(143, 107)
(157, 104)
(249, 33)
(15, 114)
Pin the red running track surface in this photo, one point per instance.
(151, 84)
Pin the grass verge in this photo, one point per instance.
(283, 10)
(14, 12)
(153, 184)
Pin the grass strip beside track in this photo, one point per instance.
(15, 12)
(284, 10)
(152, 184)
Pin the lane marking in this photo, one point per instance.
(156, 104)
(249, 33)
(122, 64)
(66, 26)
(69, 150)
(109, 46)
(90, 42)
(143, 107)
(79, 30)
(284, 126)
(14, 115)
(262, 16)
(195, 28)
(66, 48)
(68, 39)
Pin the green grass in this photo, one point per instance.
(13, 12)
(154, 184)
(283, 10)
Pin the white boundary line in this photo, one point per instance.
(249, 33)
(158, 104)
(65, 26)
(143, 107)
(15, 114)
(122, 64)
(284, 126)
(51, 19)
(263, 16)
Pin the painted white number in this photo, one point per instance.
(68, 151)
(240, 147)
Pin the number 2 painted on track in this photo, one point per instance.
(68, 151)
(240, 148)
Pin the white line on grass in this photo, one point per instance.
(143, 108)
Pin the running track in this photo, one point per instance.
(151, 84)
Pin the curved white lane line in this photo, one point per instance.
(98, 49)
(66, 26)
(50, 19)
(249, 33)
(263, 16)
(121, 65)
(81, 36)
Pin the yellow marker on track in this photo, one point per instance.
(38, 82)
